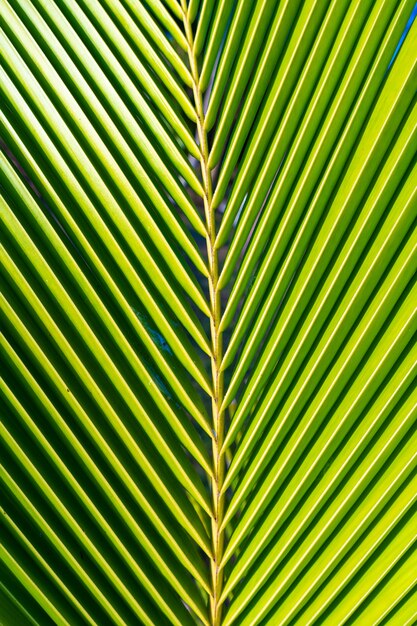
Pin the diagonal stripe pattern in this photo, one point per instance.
(209, 312)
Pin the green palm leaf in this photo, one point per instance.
(209, 312)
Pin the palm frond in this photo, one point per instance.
(208, 296)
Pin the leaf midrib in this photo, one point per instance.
(218, 497)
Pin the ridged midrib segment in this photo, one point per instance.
(216, 335)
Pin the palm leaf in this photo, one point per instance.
(208, 297)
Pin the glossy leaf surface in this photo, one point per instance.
(209, 312)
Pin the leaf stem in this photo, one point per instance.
(216, 338)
